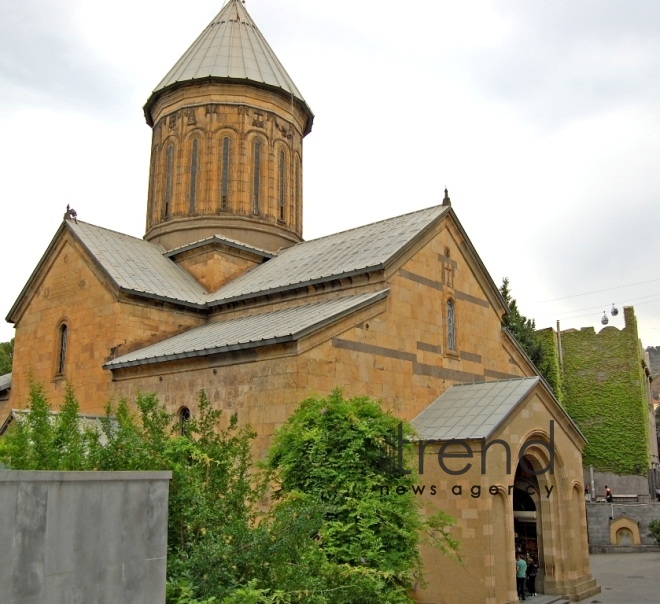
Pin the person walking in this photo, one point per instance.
(521, 575)
(532, 571)
(608, 494)
(657, 493)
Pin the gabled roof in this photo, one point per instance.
(5, 382)
(138, 266)
(475, 411)
(134, 265)
(220, 240)
(141, 268)
(275, 327)
(352, 252)
(232, 48)
(471, 411)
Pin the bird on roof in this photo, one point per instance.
(71, 213)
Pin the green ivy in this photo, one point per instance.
(549, 363)
(605, 394)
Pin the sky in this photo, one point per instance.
(542, 119)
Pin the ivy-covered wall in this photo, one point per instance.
(605, 394)
(549, 365)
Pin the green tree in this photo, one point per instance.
(6, 356)
(333, 450)
(537, 347)
(222, 546)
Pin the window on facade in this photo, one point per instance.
(282, 184)
(296, 193)
(224, 181)
(152, 186)
(451, 326)
(193, 176)
(61, 358)
(184, 418)
(168, 181)
(257, 175)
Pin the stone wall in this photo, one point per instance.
(605, 393)
(83, 537)
(600, 514)
(621, 485)
(100, 324)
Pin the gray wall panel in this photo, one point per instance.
(83, 537)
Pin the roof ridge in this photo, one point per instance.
(221, 238)
(365, 225)
(96, 226)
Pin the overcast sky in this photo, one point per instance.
(541, 118)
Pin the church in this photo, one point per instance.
(223, 294)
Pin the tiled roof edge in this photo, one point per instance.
(116, 364)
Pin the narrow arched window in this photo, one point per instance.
(451, 326)
(224, 181)
(296, 194)
(152, 187)
(193, 176)
(168, 181)
(184, 418)
(282, 184)
(61, 359)
(256, 176)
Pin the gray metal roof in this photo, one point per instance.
(85, 421)
(138, 266)
(285, 325)
(220, 239)
(472, 411)
(347, 253)
(232, 47)
(5, 382)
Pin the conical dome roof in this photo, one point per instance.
(231, 48)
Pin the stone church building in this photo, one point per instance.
(223, 294)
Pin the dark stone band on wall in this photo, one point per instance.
(446, 374)
(499, 375)
(377, 350)
(429, 347)
(473, 299)
(470, 356)
(421, 280)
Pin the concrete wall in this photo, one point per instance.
(599, 514)
(620, 485)
(83, 537)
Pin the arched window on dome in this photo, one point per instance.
(224, 178)
(256, 176)
(153, 183)
(451, 326)
(282, 191)
(194, 162)
(296, 194)
(168, 181)
(62, 346)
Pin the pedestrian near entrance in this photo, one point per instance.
(608, 494)
(657, 493)
(532, 571)
(521, 575)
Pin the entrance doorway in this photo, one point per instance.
(527, 516)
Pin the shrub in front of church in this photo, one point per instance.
(332, 451)
(221, 547)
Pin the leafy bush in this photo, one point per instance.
(654, 527)
(328, 538)
(332, 450)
